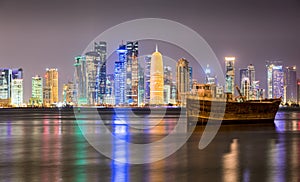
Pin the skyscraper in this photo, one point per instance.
(141, 87)
(190, 79)
(100, 48)
(209, 78)
(182, 80)
(120, 76)
(275, 76)
(291, 84)
(156, 79)
(147, 78)
(91, 77)
(5, 84)
(37, 91)
(167, 84)
(230, 74)
(132, 73)
(80, 84)
(298, 91)
(17, 92)
(68, 93)
(50, 90)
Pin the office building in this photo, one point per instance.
(182, 80)
(100, 48)
(147, 78)
(275, 79)
(290, 85)
(120, 76)
(17, 92)
(50, 90)
(229, 75)
(36, 91)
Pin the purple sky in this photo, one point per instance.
(36, 34)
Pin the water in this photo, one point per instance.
(49, 147)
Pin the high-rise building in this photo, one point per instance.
(156, 79)
(141, 87)
(190, 79)
(209, 78)
(182, 80)
(245, 88)
(91, 77)
(5, 84)
(147, 78)
(132, 73)
(17, 92)
(110, 90)
(251, 74)
(37, 91)
(230, 74)
(290, 85)
(120, 76)
(167, 84)
(275, 82)
(50, 90)
(100, 48)
(80, 81)
(298, 91)
(68, 93)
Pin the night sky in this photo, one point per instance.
(36, 34)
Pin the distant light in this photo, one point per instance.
(230, 58)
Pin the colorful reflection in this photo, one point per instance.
(120, 151)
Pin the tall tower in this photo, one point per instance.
(182, 80)
(147, 78)
(100, 48)
(5, 84)
(157, 79)
(51, 87)
(291, 84)
(37, 90)
(120, 76)
(167, 84)
(91, 76)
(230, 73)
(275, 79)
(80, 83)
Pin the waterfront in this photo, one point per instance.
(50, 147)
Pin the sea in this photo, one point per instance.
(43, 145)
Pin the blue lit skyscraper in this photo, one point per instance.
(120, 76)
(147, 78)
(80, 81)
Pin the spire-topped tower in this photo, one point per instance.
(156, 79)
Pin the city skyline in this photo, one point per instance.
(49, 34)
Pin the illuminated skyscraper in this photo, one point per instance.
(182, 80)
(190, 79)
(245, 88)
(37, 91)
(230, 74)
(120, 76)
(291, 84)
(91, 76)
(298, 91)
(209, 78)
(17, 92)
(68, 93)
(110, 90)
(50, 92)
(147, 78)
(167, 84)
(156, 79)
(141, 87)
(5, 84)
(131, 73)
(275, 76)
(101, 71)
(80, 84)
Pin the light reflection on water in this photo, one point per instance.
(53, 149)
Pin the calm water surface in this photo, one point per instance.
(50, 147)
